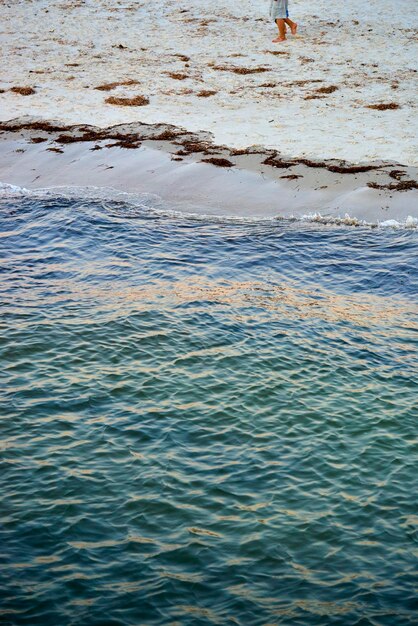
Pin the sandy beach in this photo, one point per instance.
(341, 92)
(65, 51)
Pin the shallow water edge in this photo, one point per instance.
(197, 177)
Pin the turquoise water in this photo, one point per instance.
(205, 422)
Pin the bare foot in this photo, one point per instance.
(278, 39)
(294, 28)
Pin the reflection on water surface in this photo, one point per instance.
(205, 423)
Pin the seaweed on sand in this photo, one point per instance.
(177, 75)
(397, 174)
(110, 86)
(135, 101)
(165, 135)
(219, 162)
(190, 147)
(384, 107)
(206, 93)
(46, 126)
(329, 89)
(403, 185)
(240, 70)
(182, 57)
(23, 91)
(273, 161)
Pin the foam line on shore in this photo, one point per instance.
(136, 204)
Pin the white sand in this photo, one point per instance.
(370, 62)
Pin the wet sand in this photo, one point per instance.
(194, 175)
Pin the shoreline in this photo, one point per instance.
(196, 176)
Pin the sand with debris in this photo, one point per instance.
(189, 173)
(216, 70)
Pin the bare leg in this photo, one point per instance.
(293, 26)
(282, 31)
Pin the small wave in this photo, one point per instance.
(82, 193)
(7, 190)
(348, 220)
(124, 204)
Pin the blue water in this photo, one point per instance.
(205, 422)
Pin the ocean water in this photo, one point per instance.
(205, 422)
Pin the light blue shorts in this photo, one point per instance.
(279, 9)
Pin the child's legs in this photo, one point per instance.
(282, 28)
(293, 25)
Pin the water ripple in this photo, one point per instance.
(205, 422)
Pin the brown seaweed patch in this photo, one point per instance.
(302, 83)
(127, 144)
(292, 176)
(135, 101)
(249, 70)
(277, 52)
(165, 135)
(110, 86)
(384, 107)
(279, 163)
(338, 169)
(329, 89)
(93, 135)
(403, 185)
(351, 169)
(190, 147)
(241, 70)
(219, 162)
(341, 168)
(89, 135)
(397, 174)
(38, 139)
(206, 93)
(23, 91)
(46, 126)
(182, 57)
(177, 75)
(123, 137)
(67, 139)
(207, 22)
